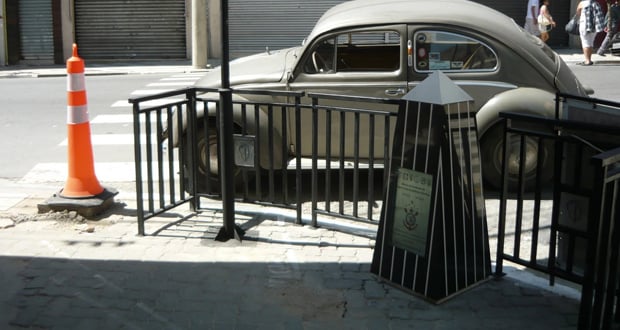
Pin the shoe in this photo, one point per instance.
(599, 54)
(585, 63)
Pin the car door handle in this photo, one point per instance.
(395, 92)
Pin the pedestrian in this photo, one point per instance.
(591, 22)
(612, 22)
(531, 18)
(545, 21)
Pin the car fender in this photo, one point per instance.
(526, 100)
(262, 133)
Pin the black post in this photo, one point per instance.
(226, 152)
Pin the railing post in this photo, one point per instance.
(138, 166)
(298, 178)
(192, 134)
(501, 226)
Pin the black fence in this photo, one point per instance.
(318, 154)
(321, 154)
(567, 226)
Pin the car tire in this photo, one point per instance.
(491, 149)
(208, 179)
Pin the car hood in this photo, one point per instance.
(267, 67)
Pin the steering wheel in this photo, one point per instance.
(319, 62)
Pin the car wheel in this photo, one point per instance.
(491, 149)
(208, 174)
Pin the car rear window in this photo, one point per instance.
(447, 51)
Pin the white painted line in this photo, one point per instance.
(181, 78)
(112, 119)
(164, 84)
(112, 139)
(151, 103)
(105, 172)
(149, 91)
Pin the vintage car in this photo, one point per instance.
(384, 48)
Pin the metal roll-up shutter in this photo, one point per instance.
(130, 29)
(36, 32)
(276, 24)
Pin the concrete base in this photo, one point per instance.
(87, 207)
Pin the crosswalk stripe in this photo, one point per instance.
(164, 84)
(149, 91)
(105, 171)
(152, 103)
(112, 139)
(112, 119)
(180, 78)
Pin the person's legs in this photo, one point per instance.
(603, 48)
(587, 54)
(587, 44)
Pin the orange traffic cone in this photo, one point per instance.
(81, 181)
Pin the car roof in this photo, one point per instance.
(462, 13)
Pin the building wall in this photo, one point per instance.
(244, 21)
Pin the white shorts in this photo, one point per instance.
(587, 38)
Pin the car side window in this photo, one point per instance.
(360, 51)
(446, 51)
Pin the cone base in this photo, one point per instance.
(87, 207)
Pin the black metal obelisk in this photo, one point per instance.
(432, 239)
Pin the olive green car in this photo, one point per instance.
(385, 48)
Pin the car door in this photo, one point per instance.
(369, 62)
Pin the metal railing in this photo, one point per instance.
(566, 227)
(312, 153)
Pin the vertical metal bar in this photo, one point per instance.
(149, 163)
(520, 193)
(170, 148)
(192, 135)
(341, 171)
(207, 129)
(244, 131)
(160, 161)
(555, 212)
(284, 146)
(537, 200)
(138, 166)
(315, 147)
(328, 159)
(503, 196)
(371, 165)
(226, 131)
(270, 131)
(356, 163)
(259, 152)
(298, 178)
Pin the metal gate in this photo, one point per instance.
(36, 31)
(137, 29)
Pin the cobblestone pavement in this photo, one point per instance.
(59, 271)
